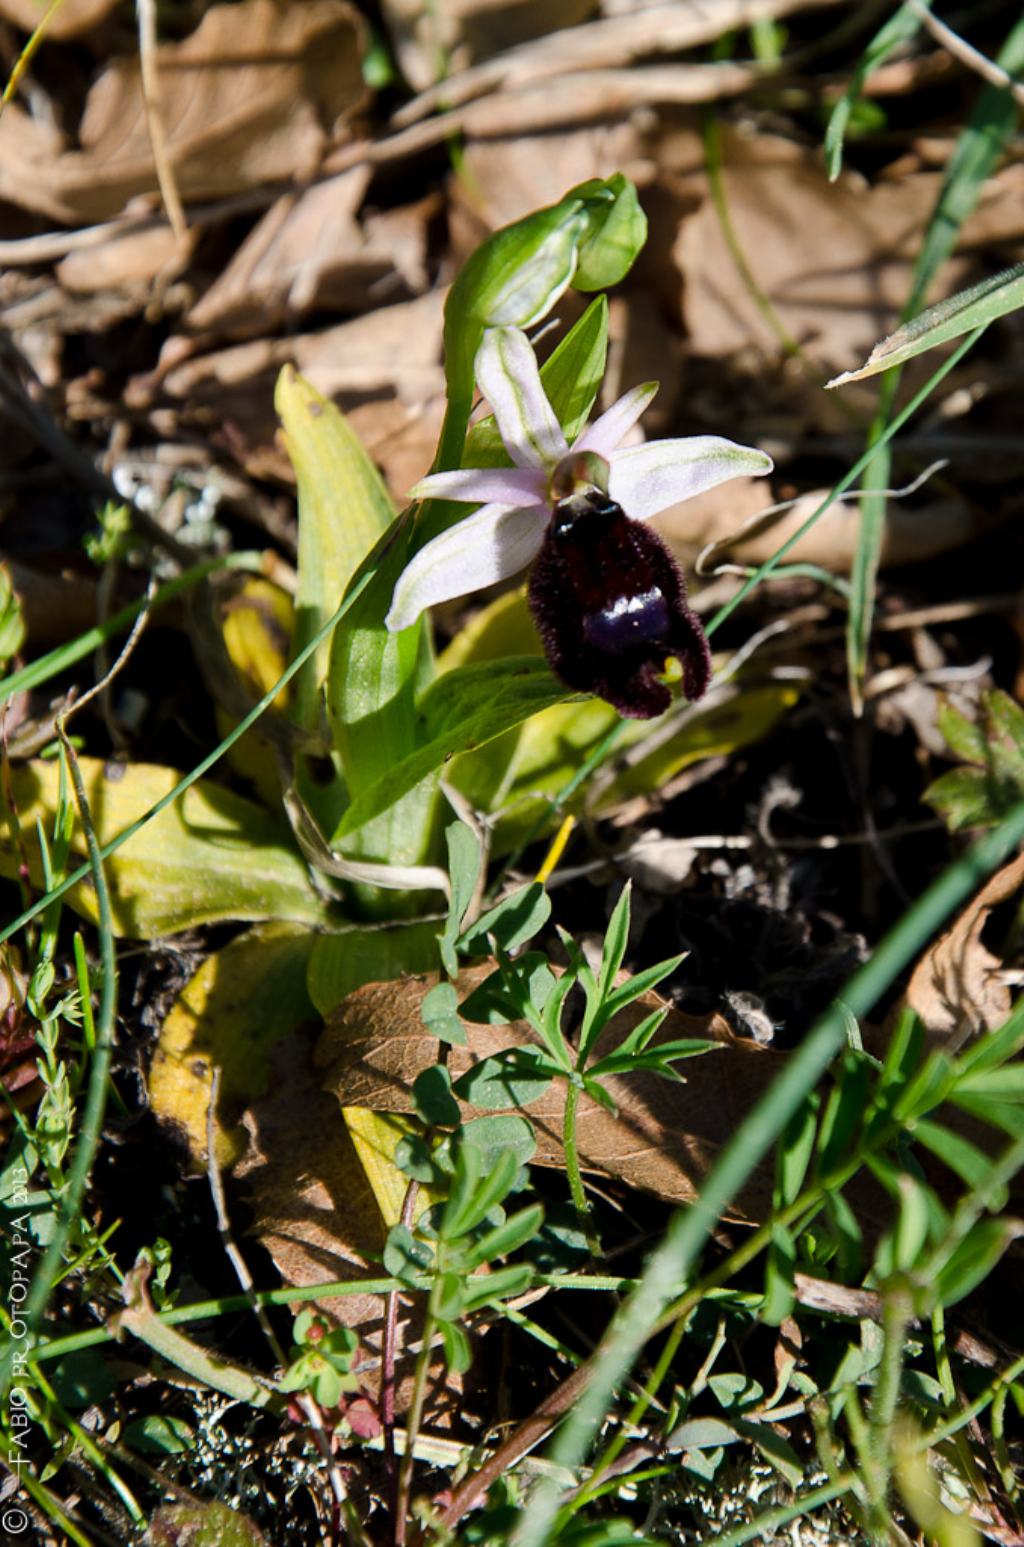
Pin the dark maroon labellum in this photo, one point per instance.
(609, 602)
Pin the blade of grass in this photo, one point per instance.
(59, 659)
(989, 129)
(198, 771)
(48, 1268)
(844, 483)
(671, 1263)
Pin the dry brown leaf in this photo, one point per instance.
(502, 180)
(309, 252)
(429, 39)
(68, 21)
(911, 533)
(834, 259)
(392, 356)
(255, 95)
(127, 260)
(394, 349)
(640, 32)
(664, 1138)
(314, 1212)
(958, 988)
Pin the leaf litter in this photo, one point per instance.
(324, 229)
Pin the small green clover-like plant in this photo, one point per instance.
(982, 792)
(321, 1360)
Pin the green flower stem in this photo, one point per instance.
(421, 1375)
(572, 1166)
(897, 1313)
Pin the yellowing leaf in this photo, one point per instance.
(375, 1136)
(344, 507)
(257, 627)
(211, 855)
(242, 1001)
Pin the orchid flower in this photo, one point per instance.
(608, 598)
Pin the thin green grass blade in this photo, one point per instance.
(37, 672)
(899, 29)
(949, 319)
(671, 1264)
(986, 135)
(196, 773)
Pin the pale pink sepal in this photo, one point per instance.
(484, 486)
(611, 429)
(491, 545)
(507, 375)
(650, 478)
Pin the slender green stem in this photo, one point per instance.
(226, 1305)
(897, 1312)
(403, 1492)
(63, 656)
(572, 1162)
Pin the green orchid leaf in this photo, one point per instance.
(344, 507)
(210, 856)
(372, 685)
(464, 709)
(343, 960)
